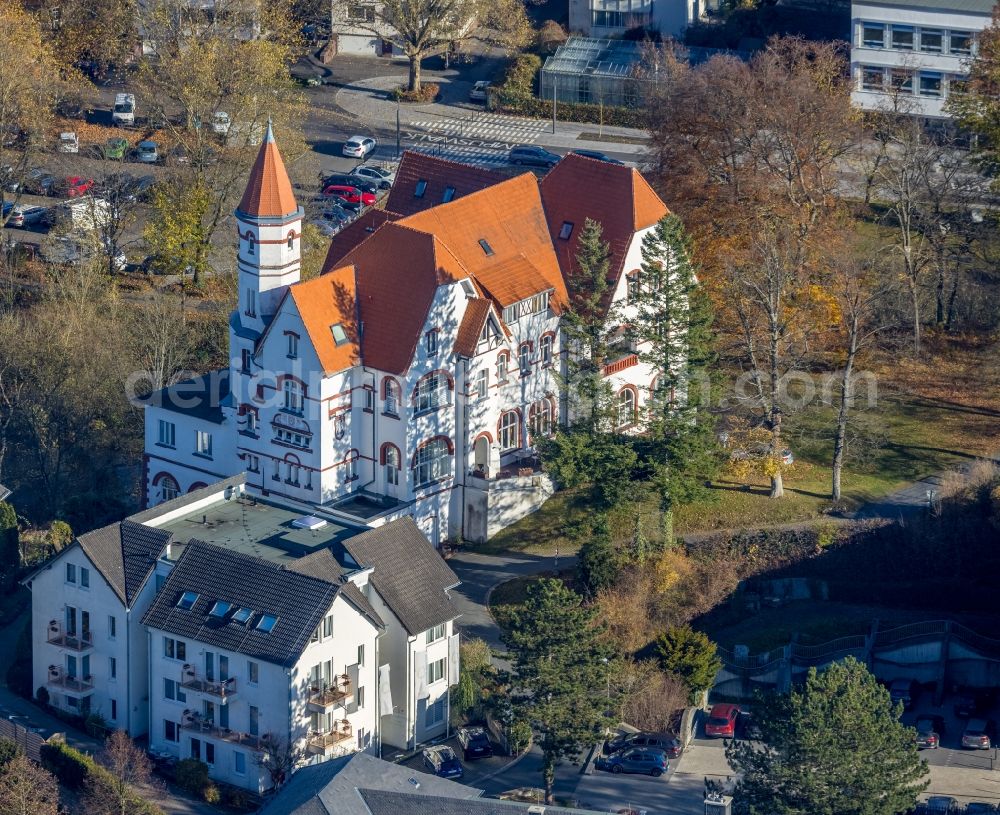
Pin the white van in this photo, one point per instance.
(124, 110)
(82, 213)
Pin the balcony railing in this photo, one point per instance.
(325, 695)
(222, 691)
(83, 641)
(619, 365)
(206, 728)
(322, 742)
(75, 685)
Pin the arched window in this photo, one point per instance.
(294, 398)
(431, 462)
(431, 392)
(391, 461)
(626, 407)
(546, 348)
(251, 249)
(351, 466)
(540, 419)
(390, 393)
(169, 488)
(291, 240)
(509, 431)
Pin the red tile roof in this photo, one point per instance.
(322, 303)
(617, 197)
(354, 233)
(439, 174)
(471, 327)
(269, 192)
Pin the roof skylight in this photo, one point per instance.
(449, 193)
(420, 189)
(486, 246)
(566, 230)
(242, 615)
(266, 623)
(339, 334)
(187, 601)
(220, 608)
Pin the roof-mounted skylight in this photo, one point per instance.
(187, 601)
(566, 230)
(420, 189)
(449, 193)
(220, 608)
(486, 246)
(266, 623)
(310, 522)
(339, 334)
(242, 615)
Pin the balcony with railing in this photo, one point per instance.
(206, 728)
(73, 640)
(218, 691)
(69, 684)
(324, 696)
(620, 365)
(325, 743)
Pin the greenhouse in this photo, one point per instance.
(596, 71)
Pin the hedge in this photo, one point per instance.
(74, 769)
(516, 96)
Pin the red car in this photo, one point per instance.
(352, 195)
(76, 185)
(722, 721)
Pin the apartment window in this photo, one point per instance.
(435, 671)
(430, 393)
(85, 577)
(436, 633)
(524, 358)
(420, 189)
(902, 37)
(292, 475)
(902, 80)
(546, 346)
(361, 654)
(431, 342)
(510, 435)
(112, 668)
(960, 42)
(369, 395)
(392, 465)
(435, 713)
(931, 40)
(391, 393)
(196, 749)
(172, 691)
(540, 419)
(294, 398)
(114, 709)
(253, 672)
(70, 573)
(626, 407)
(171, 731)
(169, 488)
(209, 753)
(112, 626)
(245, 357)
(168, 434)
(449, 194)
(253, 463)
(873, 35)
(174, 649)
(565, 230)
(293, 346)
(503, 360)
(931, 84)
(431, 463)
(482, 383)
(351, 468)
(872, 78)
(203, 443)
(240, 763)
(254, 721)
(361, 13)
(251, 303)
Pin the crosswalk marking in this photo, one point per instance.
(483, 139)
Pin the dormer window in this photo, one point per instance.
(420, 189)
(486, 246)
(565, 230)
(251, 250)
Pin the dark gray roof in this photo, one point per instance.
(390, 802)
(213, 573)
(408, 573)
(201, 397)
(968, 6)
(335, 787)
(187, 499)
(323, 564)
(125, 554)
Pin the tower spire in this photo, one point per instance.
(269, 192)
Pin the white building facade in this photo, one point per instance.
(910, 56)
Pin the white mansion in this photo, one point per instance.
(411, 377)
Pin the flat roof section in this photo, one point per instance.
(254, 526)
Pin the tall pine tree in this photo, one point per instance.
(672, 327)
(560, 665)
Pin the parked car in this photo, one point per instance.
(721, 721)
(123, 112)
(532, 156)
(39, 182)
(929, 728)
(349, 180)
(147, 152)
(475, 742)
(351, 195)
(979, 808)
(479, 91)
(979, 734)
(68, 142)
(667, 742)
(903, 690)
(940, 805)
(115, 149)
(22, 215)
(379, 176)
(443, 762)
(635, 760)
(221, 123)
(359, 146)
(598, 155)
(75, 186)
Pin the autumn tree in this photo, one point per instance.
(560, 681)
(421, 28)
(27, 789)
(96, 35)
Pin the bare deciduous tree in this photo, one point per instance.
(27, 789)
(128, 768)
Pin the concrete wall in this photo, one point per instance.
(495, 504)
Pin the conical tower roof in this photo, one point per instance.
(269, 192)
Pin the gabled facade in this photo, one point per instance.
(416, 374)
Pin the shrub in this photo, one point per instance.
(70, 766)
(96, 725)
(211, 793)
(237, 799)
(59, 536)
(428, 93)
(192, 775)
(42, 694)
(518, 737)
(550, 36)
(8, 749)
